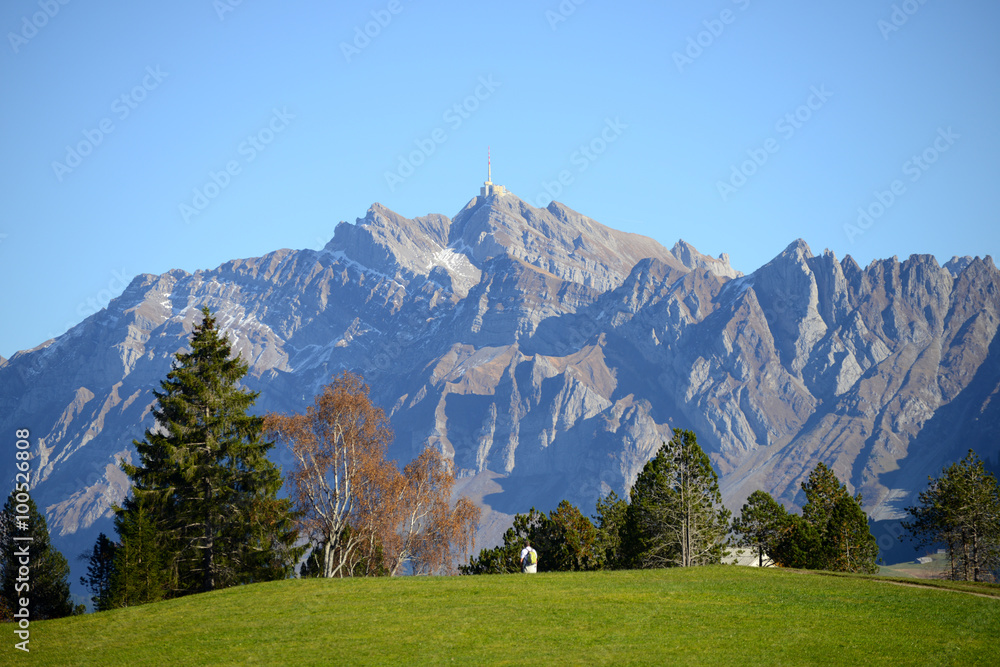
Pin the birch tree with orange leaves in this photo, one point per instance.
(367, 516)
(339, 448)
(432, 535)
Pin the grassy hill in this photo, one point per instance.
(717, 615)
(932, 570)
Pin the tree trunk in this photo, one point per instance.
(327, 560)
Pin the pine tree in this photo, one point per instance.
(610, 522)
(204, 485)
(505, 558)
(800, 546)
(100, 564)
(761, 523)
(848, 544)
(566, 541)
(822, 489)
(833, 532)
(676, 515)
(46, 582)
(961, 509)
(853, 547)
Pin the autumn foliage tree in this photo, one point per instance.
(433, 535)
(364, 515)
(339, 447)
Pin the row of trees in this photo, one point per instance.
(959, 511)
(204, 514)
(832, 533)
(675, 517)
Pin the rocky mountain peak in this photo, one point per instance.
(692, 259)
(387, 241)
(957, 264)
(555, 239)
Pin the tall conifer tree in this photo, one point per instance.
(833, 531)
(676, 517)
(100, 566)
(760, 524)
(140, 572)
(46, 584)
(204, 483)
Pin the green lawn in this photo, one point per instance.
(717, 615)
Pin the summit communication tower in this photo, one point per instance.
(488, 187)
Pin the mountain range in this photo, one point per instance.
(549, 356)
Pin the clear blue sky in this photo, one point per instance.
(197, 83)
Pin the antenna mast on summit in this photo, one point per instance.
(488, 188)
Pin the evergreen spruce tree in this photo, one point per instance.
(46, 585)
(610, 522)
(141, 571)
(676, 517)
(100, 564)
(204, 486)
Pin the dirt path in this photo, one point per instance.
(938, 588)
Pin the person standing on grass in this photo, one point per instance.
(529, 559)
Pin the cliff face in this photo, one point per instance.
(885, 373)
(549, 356)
